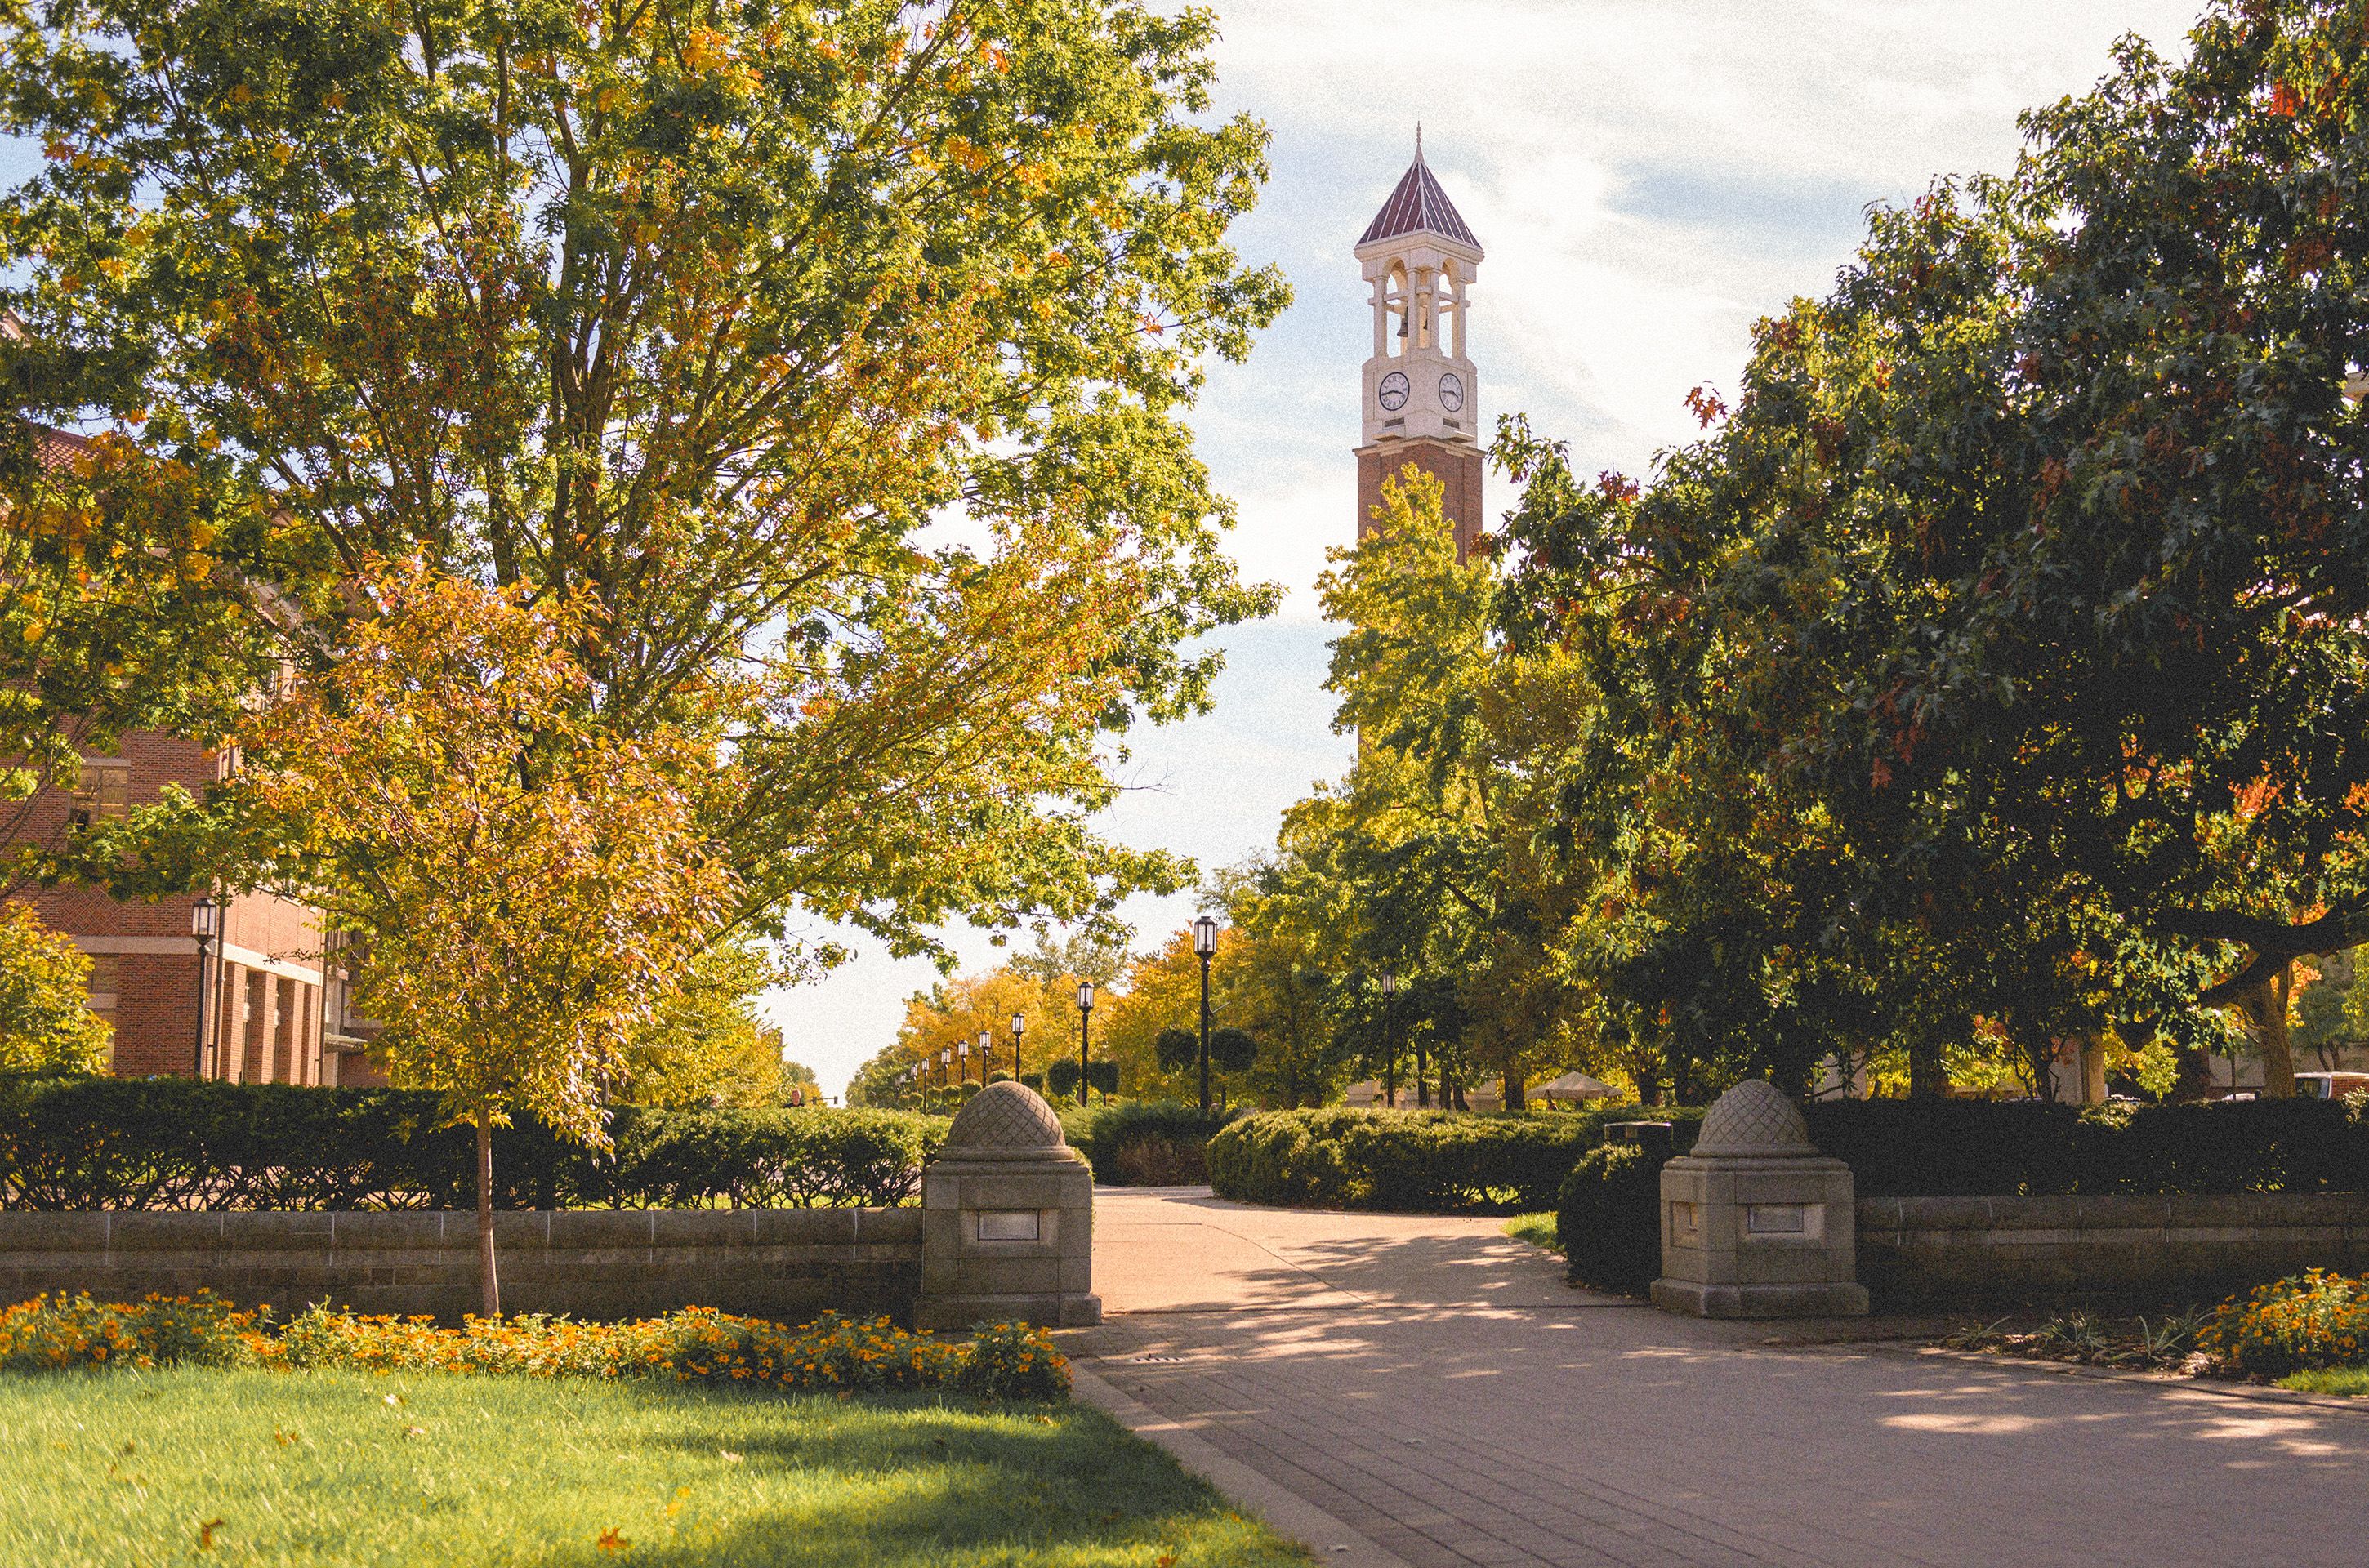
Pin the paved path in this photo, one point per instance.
(1433, 1385)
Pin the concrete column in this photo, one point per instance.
(1007, 1219)
(1756, 1222)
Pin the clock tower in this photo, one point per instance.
(1422, 396)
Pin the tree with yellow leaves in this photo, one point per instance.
(530, 890)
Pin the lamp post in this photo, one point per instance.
(205, 924)
(1085, 1035)
(1019, 1027)
(1390, 1041)
(962, 1063)
(1205, 942)
(986, 1053)
(1422, 1066)
(946, 1071)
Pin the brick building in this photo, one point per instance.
(262, 1010)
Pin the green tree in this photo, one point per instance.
(1993, 665)
(706, 1045)
(529, 894)
(703, 318)
(46, 1024)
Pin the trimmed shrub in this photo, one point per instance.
(1980, 1148)
(1608, 1222)
(2301, 1324)
(1420, 1161)
(1146, 1143)
(87, 1143)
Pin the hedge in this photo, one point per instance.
(1425, 1162)
(1149, 1142)
(1608, 1222)
(1980, 1149)
(84, 1143)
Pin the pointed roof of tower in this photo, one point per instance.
(1417, 204)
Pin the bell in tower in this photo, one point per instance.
(1422, 396)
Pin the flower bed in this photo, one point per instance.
(2310, 1322)
(1000, 1361)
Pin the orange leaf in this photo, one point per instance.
(613, 1539)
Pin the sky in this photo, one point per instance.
(1648, 178)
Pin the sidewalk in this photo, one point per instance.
(1433, 1385)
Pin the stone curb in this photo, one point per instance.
(1332, 1542)
(2349, 1404)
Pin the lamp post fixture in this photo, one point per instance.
(205, 924)
(1205, 942)
(986, 1053)
(1085, 1034)
(1390, 1041)
(1019, 1028)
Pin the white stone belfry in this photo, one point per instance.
(1756, 1222)
(1419, 260)
(1420, 400)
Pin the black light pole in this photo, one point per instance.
(205, 924)
(1423, 1084)
(1390, 1041)
(986, 1054)
(1085, 1035)
(1205, 942)
(1019, 1027)
(946, 1071)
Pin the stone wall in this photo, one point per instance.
(1952, 1252)
(786, 1264)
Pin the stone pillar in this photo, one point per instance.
(1007, 1219)
(1756, 1222)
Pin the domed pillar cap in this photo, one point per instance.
(1753, 1120)
(1006, 1121)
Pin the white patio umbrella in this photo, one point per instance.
(1573, 1086)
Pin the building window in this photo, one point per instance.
(102, 791)
(106, 977)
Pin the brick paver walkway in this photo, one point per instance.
(1436, 1387)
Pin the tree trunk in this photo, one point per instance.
(2270, 1033)
(1927, 1080)
(1517, 1096)
(489, 1290)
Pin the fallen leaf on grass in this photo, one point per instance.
(613, 1540)
(1165, 1560)
(394, 1400)
(283, 1437)
(206, 1534)
(415, 1431)
(681, 1493)
(729, 1457)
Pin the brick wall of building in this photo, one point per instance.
(1458, 468)
(267, 954)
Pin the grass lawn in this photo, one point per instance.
(115, 1469)
(2336, 1381)
(1538, 1229)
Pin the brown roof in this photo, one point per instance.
(1416, 206)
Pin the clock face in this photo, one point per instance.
(1393, 391)
(1451, 392)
